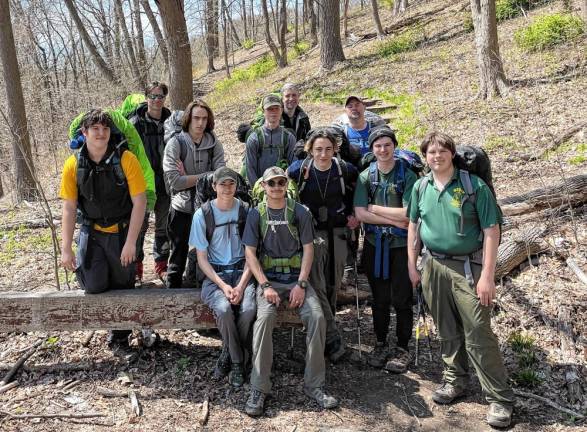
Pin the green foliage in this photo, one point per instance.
(301, 47)
(499, 142)
(387, 3)
(248, 43)
(468, 23)
(407, 41)
(319, 94)
(51, 342)
(17, 241)
(520, 342)
(548, 31)
(527, 377)
(577, 160)
(182, 364)
(259, 69)
(507, 9)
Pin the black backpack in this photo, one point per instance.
(204, 191)
(243, 211)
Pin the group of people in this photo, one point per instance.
(294, 251)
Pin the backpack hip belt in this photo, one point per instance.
(383, 235)
(220, 268)
(466, 259)
(281, 265)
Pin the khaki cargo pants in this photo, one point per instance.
(464, 328)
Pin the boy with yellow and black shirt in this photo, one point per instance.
(381, 198)
(458, 271)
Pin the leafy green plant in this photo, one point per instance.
(404, 42)
(520, 342)
(527, 377)
(248, 43)
(507, 9)
(499, 142)
(577, 160)
(259, 69)
(301, 47)
(548, 31)
(387, 3)
(182, 364)
(318, 93)
(468, 23)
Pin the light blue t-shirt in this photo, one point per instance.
(358, 138)
(225, 247)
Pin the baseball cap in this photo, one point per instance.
(271, 100)
(346, 102)
(273, 172)
(381, 131)
(224, 173)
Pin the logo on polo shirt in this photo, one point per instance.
(457, 198)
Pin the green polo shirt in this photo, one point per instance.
(385, 196)
(440, 213)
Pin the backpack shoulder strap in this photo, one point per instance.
(209, 220)
(211, 158)
(306, 164)
(243, 211)
(116, 162)
(342, 173)
(260, 140)
(373, 180)
(262, 209)
(290, 212)
(465, 178)
(400, 175)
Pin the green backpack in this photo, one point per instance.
(258, 193)
(281, 158)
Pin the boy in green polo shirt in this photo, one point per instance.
(458, 271)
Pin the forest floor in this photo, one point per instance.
(433, 86)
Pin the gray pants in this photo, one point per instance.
(233, 321)
(313, 319)
(319, 276)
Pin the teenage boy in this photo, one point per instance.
(107, 186)
(279, 250)
(458, 272)
(269, 145)
(381, 198)
(216, 234)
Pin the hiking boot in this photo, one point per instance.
(222, 367)
(138, 274)
(236, 378)
(447, 393)
(118, 339)
(324, 400)
(148, 338)
(335, 350)
(499, 415)
(399, 362)
(161, 270)
(379, 355)
(255, 403)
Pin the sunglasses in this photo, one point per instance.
(156, 96)
(273, 183)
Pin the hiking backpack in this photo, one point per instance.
(258, 193)
(341, 167)
(243, 211)
(281, 158)
(205, 192)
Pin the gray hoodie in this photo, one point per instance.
(196, 162)
(258, 160)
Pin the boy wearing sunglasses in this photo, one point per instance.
(279, 250)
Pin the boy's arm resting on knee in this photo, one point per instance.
(137, 216)
(210, 273)
(69, 210)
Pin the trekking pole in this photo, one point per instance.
(422, 313)
(357, 298)
(418, 306)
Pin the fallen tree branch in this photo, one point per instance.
(513, 252)
(203, 419)
(88, 338)
(561, 139)
(49, 416)
(550, 403)
(8, 386)
(65, 367)
(8, 377)
(109, 393)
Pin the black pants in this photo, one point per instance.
(396, 291)
(178, 231)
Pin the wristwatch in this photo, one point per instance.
(265, 285)
(303, 284)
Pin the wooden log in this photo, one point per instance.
(116, 309)
(513, 252)
(573, 191)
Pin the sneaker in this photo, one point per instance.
(447, 393)
(399, 362)
(148, 338)
(379, 355)
(335, 350)
(222, 367)
(499, 415)
(161, 270)
(324, 400)
(255, 403)
(236, 378)
(118, 339)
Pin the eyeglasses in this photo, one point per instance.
(273, 183)
(156, 96)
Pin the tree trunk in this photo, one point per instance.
(296, 34)
(98, 60)
(141, 57)
(280, 62)
(244, 13)
(180, 56)
(492, 80)
(399, 7)
(282, 32)
(313, 23)
(330, 44)
(211, 27)
(156, 31)
(584, 10)
(228, 17)
(225, 37)
(376, 20)
(345, 19)
(17, 122)
(128, 43)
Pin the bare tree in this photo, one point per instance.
(345, 19)
(141, 56)
(279, 59)
(132, 59)
(211, 33)
(492, 80)
(283, 30)
(180, 56)
(313, 23)
(228, 17)
(17, 122)
(225, 37)
(330, 43)
(106, 70)
(376, 20)
(244, 17)
(156, 31)
(584, 10)
(296, 34)
(399, 7)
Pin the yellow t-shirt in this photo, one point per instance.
(132, 171)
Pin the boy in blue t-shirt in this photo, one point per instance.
(221, 257)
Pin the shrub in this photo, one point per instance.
(468, 23)
(248, 43)
(549, 30)
(521, 342)
(387, 3)
(506, 9)
(527, 378)
(259, 69)
(407, 41)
